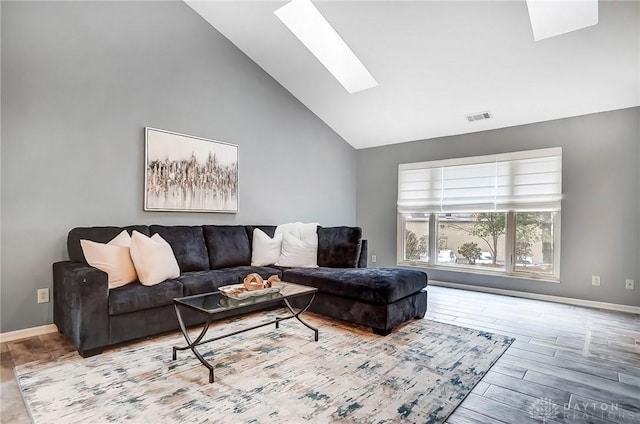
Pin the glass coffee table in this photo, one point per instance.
(216, 305)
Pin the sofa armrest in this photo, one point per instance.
(364, 255)
(80, 304)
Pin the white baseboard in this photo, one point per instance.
(27, 332)
(546, 297)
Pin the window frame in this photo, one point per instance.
(510, 244)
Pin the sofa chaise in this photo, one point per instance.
(93, 316)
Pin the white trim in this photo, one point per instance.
(27, 332)
(510, 242)
(538, 278)
(549, 298)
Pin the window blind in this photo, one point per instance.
(518, 181)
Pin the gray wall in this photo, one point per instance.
(80, 81)
(600, 207)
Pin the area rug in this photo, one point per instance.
(419, 373)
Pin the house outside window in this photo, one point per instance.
(485, 214)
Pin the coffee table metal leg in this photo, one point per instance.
(296, 315)
(192, 344)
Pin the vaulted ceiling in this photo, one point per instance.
(437, 61)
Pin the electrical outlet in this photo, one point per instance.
(43, 295)
(628, 284)
(595, 280)
(374, 258)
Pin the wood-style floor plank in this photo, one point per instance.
(507, 413)
(467, 416)
(580, 407)
(480, 388)
(600, 353)
(629, 402)
(511, 370)
(566, 364)
(560, 397)
(632, 380)
(549, 351)
(608, 363)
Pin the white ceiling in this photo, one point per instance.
(437, 61)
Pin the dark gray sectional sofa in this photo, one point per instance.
(210, 256)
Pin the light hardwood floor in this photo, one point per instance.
(582, 363)
(568, 364)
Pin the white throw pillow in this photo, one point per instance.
(123, 239)
(298, 229)
(112, 258)
(153, 258)
(299, 253)
(265, 250)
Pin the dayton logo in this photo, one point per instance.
(544, 409)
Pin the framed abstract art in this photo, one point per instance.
(189, 174)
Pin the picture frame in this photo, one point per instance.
(185, 173)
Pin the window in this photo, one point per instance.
(416, 238)
(475, 239)
(498, 213)
(535, 242)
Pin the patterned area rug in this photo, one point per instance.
(419, 373)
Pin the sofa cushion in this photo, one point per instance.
(187, 244)
(209, 281)
(339, 247)
(135, 297)
(374, 285)
(97, 234)
(228, 246)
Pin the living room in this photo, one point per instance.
(82, 80)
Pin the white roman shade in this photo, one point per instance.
(519, 181)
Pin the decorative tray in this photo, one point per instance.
(238, 291)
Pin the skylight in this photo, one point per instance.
(551, 18)
(313, 30)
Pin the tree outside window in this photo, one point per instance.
(415, 247)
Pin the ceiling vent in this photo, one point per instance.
(478, 116)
